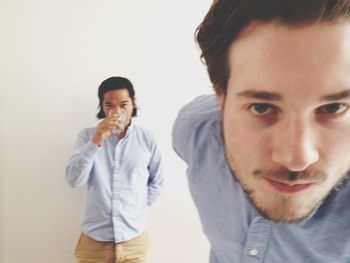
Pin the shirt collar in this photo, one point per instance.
(130, 128)
(339, 186)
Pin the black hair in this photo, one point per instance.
(115, 83)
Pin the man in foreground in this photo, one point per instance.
(268, 156)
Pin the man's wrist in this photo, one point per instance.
(96, 142)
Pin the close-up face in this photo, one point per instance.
(116, 101)
(286, 117)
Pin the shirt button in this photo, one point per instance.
(253, 252)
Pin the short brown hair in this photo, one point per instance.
(226, 18)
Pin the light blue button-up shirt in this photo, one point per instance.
(123, 177)
(236, 231)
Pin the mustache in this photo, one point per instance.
(286, 175)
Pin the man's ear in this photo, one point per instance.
(220, 96)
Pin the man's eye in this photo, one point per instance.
(334, 108)
(261, 108)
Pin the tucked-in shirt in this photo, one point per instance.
(236, 231)
(123, 177)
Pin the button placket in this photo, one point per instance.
(257, 240)
(253, 252)
(116, 183)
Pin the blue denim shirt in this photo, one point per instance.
(123, 177)
(236, 231)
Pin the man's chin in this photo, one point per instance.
(287, 217)
(283, 212)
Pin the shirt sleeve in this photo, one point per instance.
(81, 161)
(156, 178)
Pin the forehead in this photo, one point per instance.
(116, 95)
(293, 39)
(303, 56)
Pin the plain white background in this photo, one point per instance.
(53, 56)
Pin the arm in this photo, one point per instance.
(156, 179)
(81, 161)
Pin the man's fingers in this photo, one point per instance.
(110, 124)
(110, 119)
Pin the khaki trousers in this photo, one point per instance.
(92, 251)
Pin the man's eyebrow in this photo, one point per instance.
(262, 95)
(337, 96)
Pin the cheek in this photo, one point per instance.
(129, 111)
(105, 110)
(243, 141)
(334, 147)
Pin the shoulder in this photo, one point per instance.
(202, 111)
(140, 131)
(202, 108)
(144, 136)
(197, 127)
(87, 132)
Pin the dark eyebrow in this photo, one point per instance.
(262, 95)
(337, 96)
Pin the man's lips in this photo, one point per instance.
(288, 188)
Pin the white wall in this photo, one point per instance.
(53, 56)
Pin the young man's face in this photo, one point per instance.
(286, 116)
(115, 101)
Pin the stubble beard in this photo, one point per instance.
(278, 207)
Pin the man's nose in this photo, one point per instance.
(116, 110)
(294, 146)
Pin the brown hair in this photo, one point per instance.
(226, 18)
